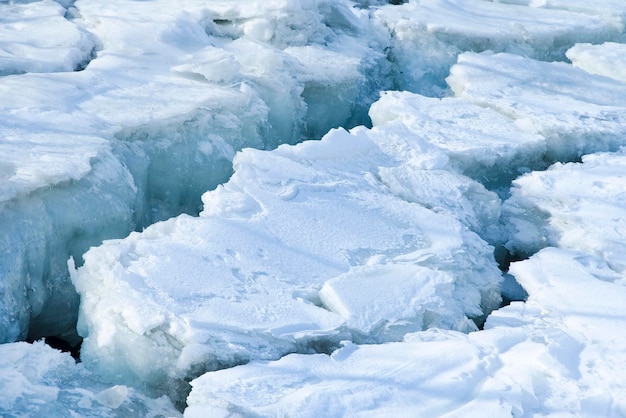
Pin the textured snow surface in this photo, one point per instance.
(243, 280)
(153, 121)
(287, 261)
(578, 206)
(558, 354)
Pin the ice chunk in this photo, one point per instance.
(36, 380)
(427, 35)
(153, 121)
(575, 206)
(482, 143)
(385, 302)
(606, 59)
(241, 282)
(36, 37)
(577, 112)
(558, 354)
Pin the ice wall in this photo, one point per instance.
(38, 380)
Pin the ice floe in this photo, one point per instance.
(243, 281)
(557, 354)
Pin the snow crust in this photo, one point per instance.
(89, 155)
(349, 273)
(555, 355)
(243, 281)
(428, 35)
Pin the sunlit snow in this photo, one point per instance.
(313, 208)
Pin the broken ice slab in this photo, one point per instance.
(577, 206)
(482, 143)
(36, 37)
(560, 353)
(241, 282)
(607, 59)
(577, 112)
(428, 35)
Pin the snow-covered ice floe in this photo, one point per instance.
(37, 37)
(608, 59)
(428, 35)
(153, 121)
(482, 143)
(558, 354)
(577, 112)
(39, 381)
(303, 247)
(578, 206)
(512, 114)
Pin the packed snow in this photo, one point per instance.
(558, 354)
(154, 122)
(313, 208)
(243, 280)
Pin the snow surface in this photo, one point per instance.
(243, 281)
(577, 206)
(153, 121)
(558, 354)
(345, 276)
